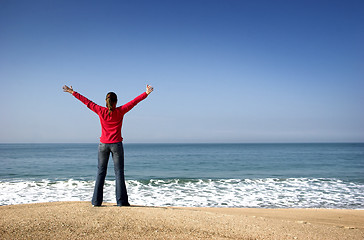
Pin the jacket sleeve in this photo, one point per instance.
(91, 105)
(128, 106)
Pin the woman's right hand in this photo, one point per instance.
(68, 89)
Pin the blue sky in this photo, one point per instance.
(223, 71)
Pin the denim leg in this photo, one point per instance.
(103, 159)
(117, 152)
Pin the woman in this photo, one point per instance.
(111, 119)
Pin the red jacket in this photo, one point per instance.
(110, 125)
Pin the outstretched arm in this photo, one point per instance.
(128, 106)
(91, 105)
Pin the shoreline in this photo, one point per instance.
(74, 220)
(109, 204)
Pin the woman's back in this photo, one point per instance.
(111, 121)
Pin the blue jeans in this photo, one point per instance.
(117, 152)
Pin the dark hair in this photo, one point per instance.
(111, 99)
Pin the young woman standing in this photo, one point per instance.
(111, 141)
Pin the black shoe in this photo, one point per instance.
(124, 205)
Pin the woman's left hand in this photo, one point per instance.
(149, 89)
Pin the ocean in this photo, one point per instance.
(296, 175)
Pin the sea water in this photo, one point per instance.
(315, 175)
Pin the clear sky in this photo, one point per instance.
(223, 71)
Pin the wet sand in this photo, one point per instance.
(79, 220)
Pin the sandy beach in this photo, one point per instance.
(79, 220)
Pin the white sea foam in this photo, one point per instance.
(261, 193)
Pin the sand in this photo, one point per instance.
(79, 220)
